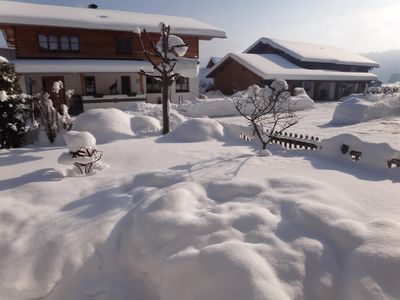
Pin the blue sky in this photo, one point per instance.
(357, 25)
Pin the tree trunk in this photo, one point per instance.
(165, 88)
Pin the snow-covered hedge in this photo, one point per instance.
(224, 107)
(197, 130)
(358, 108)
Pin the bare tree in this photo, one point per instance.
(164, 56)
(269, 109)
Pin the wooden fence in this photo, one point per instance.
(291, 141)
(299, 141)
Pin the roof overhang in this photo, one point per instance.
(354, 60)
(80, 66)
(19, 13)
(255, 65)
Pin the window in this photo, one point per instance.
(90, 85)
(64, 42)
(123, 45)
(182, 85)
(153, 86)
(74, 43)
(43, 42)
(57, 43)
(53, 41)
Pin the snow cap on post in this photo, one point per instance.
(137, 31)
(3, 96)
(77, 140)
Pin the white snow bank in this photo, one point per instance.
(215, 107)
(224, 107)
(143, 125)
(228, 239)
(155, 111)
(3, 59)
(197, 130)
(375, 155)
(358, 108)
(301, 100)
(106, 125)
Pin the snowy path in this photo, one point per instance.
(205, 221)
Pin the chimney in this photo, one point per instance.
(92, 6)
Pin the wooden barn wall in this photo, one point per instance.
(232, 77)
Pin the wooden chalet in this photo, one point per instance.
(325, 72)
(93, 51)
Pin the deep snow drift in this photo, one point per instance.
(358, 108)
(173, 218)
(223, 107)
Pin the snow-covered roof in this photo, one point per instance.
(215, 59)
(316, 52)
(273, 66)
(61, 16)
(79, 65)
(212, 61)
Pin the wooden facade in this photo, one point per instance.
(93, 44)
(232, 77)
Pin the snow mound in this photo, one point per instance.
(214, 107)
(358, 108)
(231, 239)
(374, 155)
(224, 106)
(76, 140)
(143, 125)
(3, 59)
(155, 111)
(301, 100)
(106, 124)
(196, 130)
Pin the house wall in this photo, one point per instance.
(175, 97)
(104, 81)
(231, 76)
(93, 43)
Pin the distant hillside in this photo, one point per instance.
(390, 63)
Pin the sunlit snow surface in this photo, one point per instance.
(172, 218)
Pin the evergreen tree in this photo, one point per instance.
(12, 121)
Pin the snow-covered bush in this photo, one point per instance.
(52, 120)
(196, 130)
(12, 106)
(269, 110)
(82, 153)
(106, 124)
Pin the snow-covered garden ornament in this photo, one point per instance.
(83, 153)
(166, 56)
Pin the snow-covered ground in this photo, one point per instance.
(317, 122)
(172, 218)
